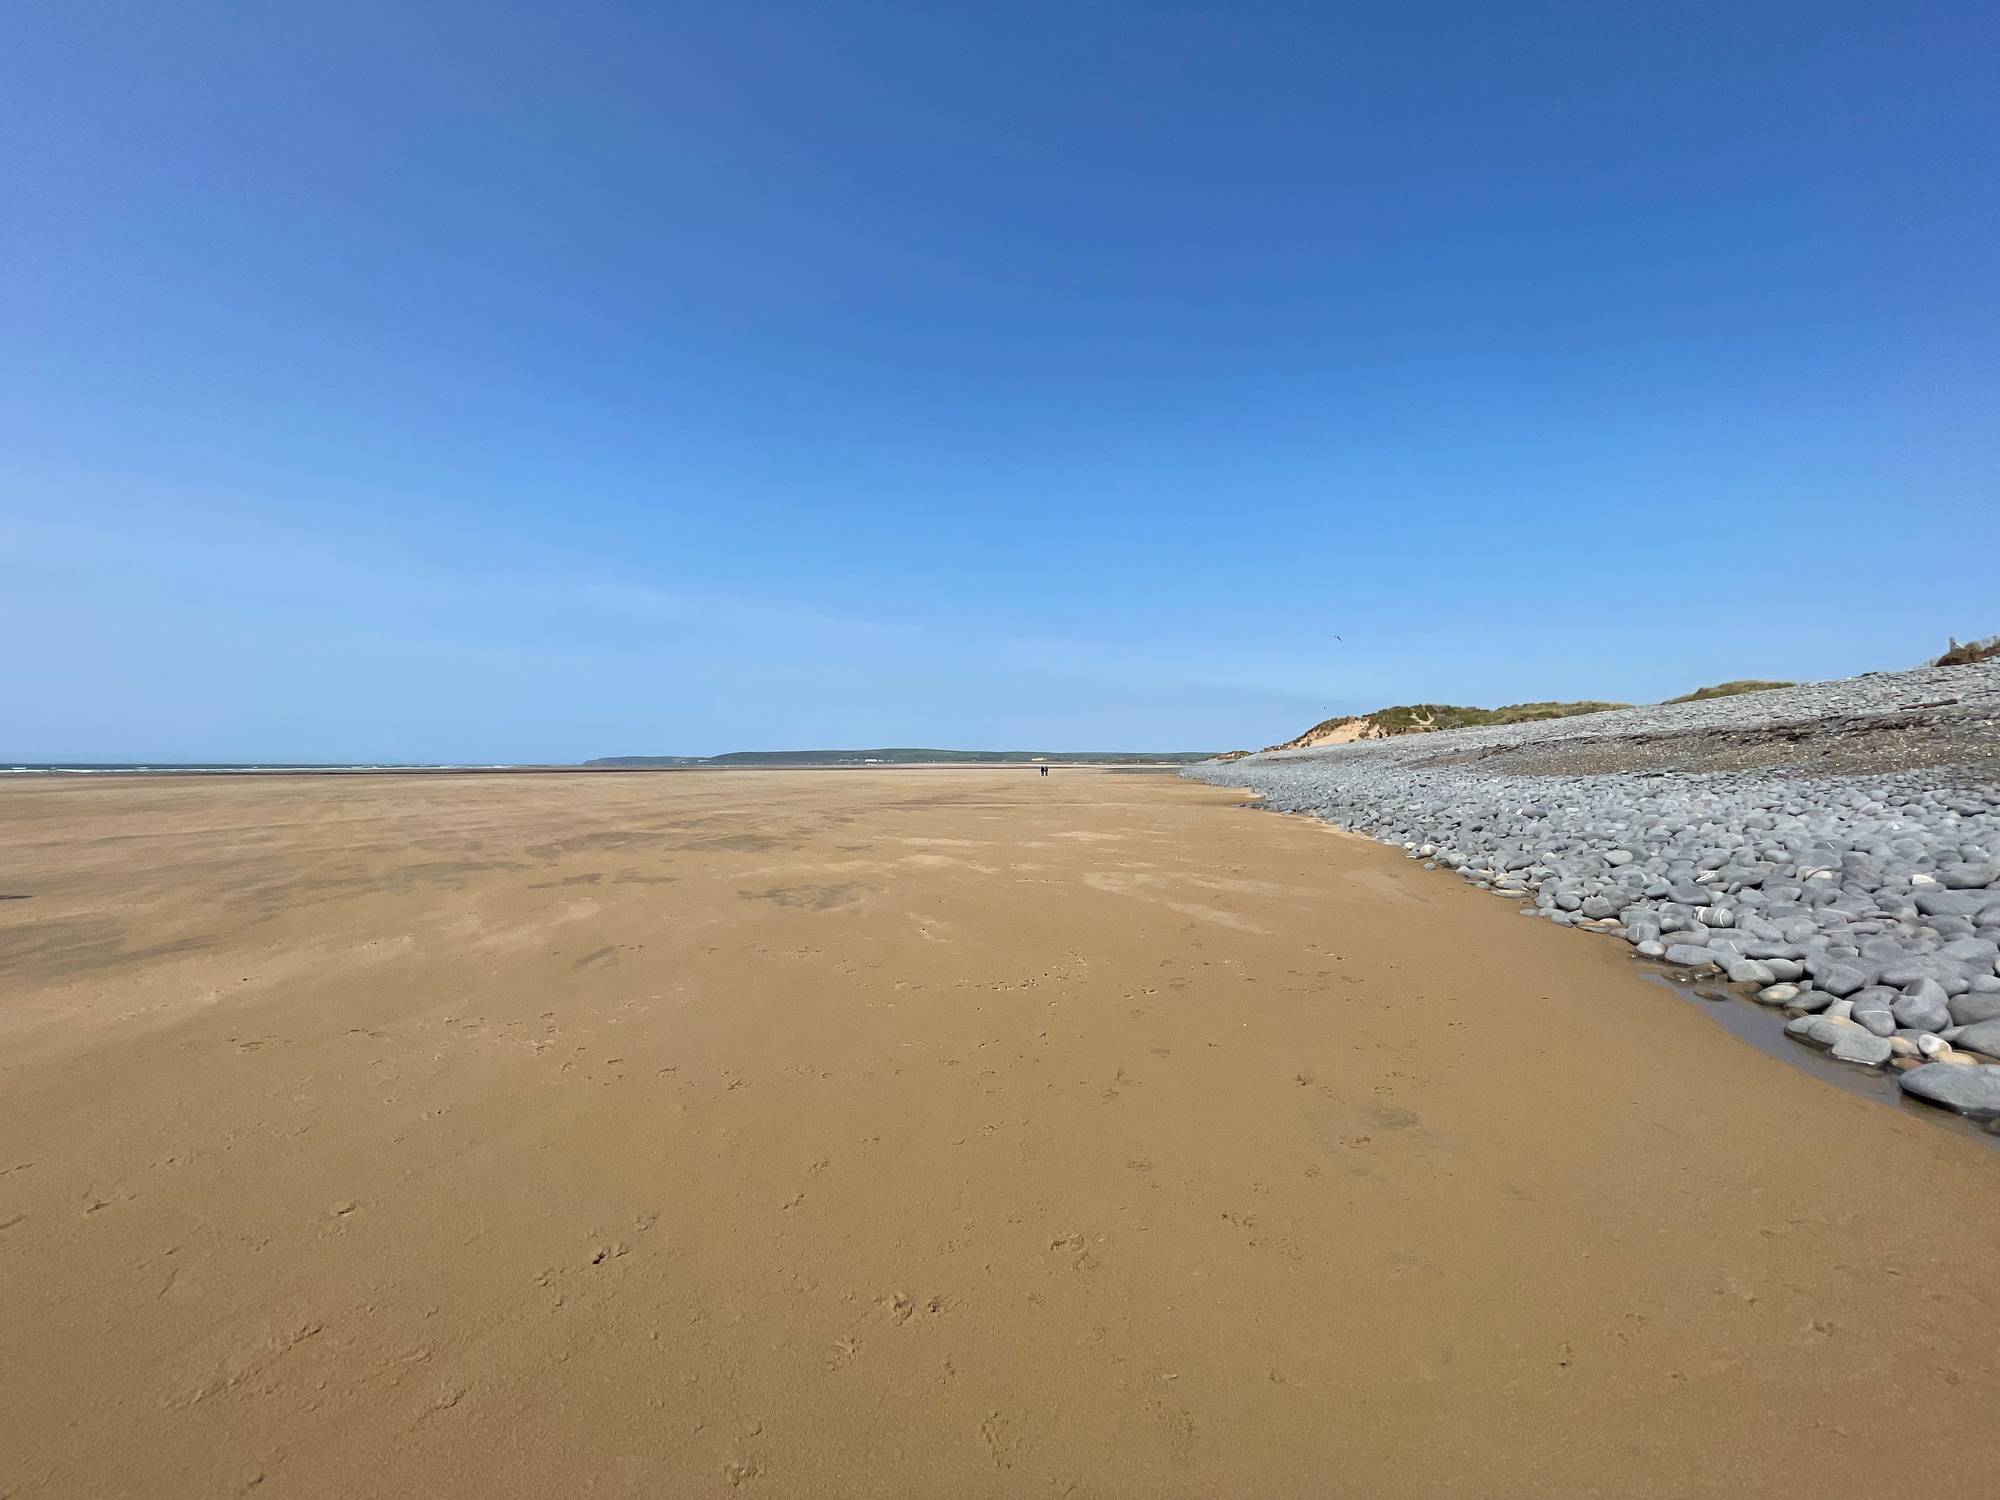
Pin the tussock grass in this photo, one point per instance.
(1968, 653)
(1730, 690)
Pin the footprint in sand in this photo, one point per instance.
(1180, 1430)
(996, 1432)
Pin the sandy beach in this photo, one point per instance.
(915, 1133)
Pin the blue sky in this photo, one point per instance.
(501, 381)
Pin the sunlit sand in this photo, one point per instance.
(916, 1132)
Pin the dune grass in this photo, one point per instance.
(1730, 690)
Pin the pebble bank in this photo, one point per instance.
(1866, 904)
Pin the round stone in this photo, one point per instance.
(1972, 1091)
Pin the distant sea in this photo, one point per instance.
(117, 768)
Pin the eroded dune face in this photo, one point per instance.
(912, 1132)
(1342, 734)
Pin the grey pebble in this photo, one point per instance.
(1971, 1008)
(1874, 1016)
(1969, 1088)
(1858, 1046)
(1922, 1006)
(1981, 1036)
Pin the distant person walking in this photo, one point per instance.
(1045, 770)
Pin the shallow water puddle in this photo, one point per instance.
(1763, 1027)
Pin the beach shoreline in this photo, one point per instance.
(967, 1133)
(1831, 849)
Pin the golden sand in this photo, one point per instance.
(928, 1133)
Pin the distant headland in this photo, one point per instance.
(912, 757)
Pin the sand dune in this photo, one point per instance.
(921, 1133)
